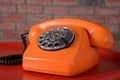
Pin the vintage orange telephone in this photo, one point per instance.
(65, 46)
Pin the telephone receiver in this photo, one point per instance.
(65, 46)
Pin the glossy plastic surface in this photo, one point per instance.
(108, 67)
(79, 57)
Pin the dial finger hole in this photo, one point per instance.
(50, 45)
(63, 33)
(40, 41)
(41, 37)
(64, 28)
(44, 44)
(56, 44)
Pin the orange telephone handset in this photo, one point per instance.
(65, 46)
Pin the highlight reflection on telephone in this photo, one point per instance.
(63, 46)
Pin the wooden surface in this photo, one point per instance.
(108, 67)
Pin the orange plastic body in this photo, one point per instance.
(77, 58)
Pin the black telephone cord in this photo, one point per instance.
(16, 58)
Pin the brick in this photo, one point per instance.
(115, 46)
(107, 11)
(7, 26)
(65, 2)
(0, 34)
(43, 2)
(29, 9)
(12, 17)
(39, 17)
(112, 3)
(6, 8)
(83, 11)
(113, 19)
(55, 10)
(24, 26)
(12, 1)
(114, 28)
(66, 16)
(90, 3)
(97, 19)
(11, 34)
(117, 38)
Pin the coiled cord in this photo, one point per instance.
(24, 43)
(16, 58)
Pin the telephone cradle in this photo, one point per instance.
(65, 46)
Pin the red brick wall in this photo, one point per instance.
(17, 16)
